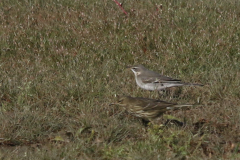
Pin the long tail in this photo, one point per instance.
(192, 84)
(181, 106)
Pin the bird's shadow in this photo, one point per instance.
(168, 123)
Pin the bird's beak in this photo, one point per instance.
(117, 104)
(129, 67)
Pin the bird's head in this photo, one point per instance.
(137, 69)
(122, 101)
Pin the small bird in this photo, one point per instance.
(145, 108)
(150, 80)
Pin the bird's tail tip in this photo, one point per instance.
(181, 106)
(194, 84)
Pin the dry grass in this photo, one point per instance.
(63, 62)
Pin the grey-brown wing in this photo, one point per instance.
(159, 79)
(155, 109)
(156, 105)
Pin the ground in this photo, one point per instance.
(63, 62)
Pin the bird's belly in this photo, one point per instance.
(153, 86)
(157, 86)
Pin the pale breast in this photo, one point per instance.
(156, 86)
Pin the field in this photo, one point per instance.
(63, 62)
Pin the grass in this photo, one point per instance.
(63, 62)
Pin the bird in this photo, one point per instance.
(147, 109)
(150, 80)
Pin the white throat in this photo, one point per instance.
(136, 73)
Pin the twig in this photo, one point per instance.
(120, 6)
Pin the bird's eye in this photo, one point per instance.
(134, 68)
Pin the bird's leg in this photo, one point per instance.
(145, 122)
(163, 93)
(174, 121)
